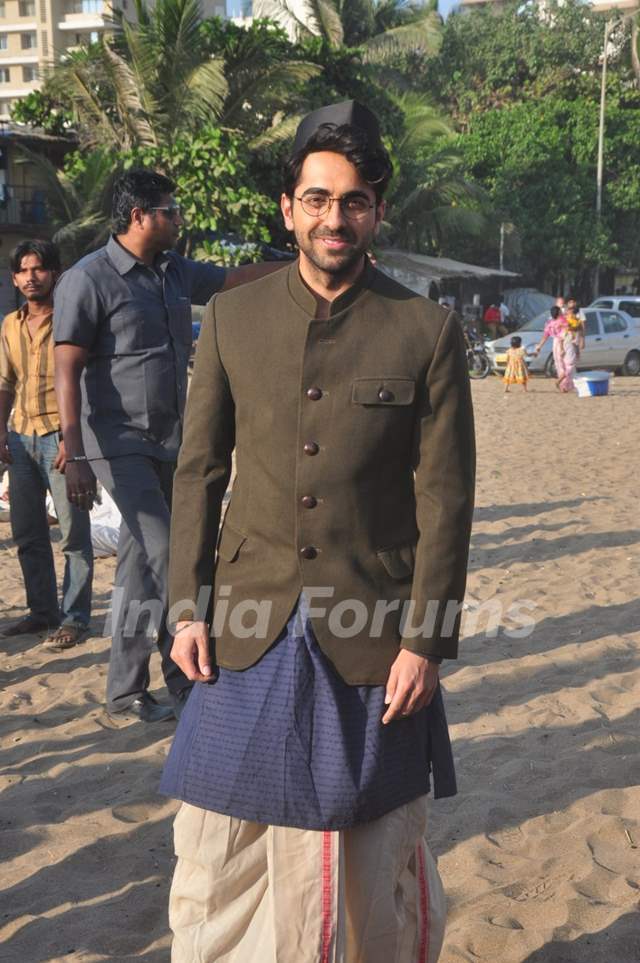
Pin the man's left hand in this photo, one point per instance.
(411, 685)
(60, 460)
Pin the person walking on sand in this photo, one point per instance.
(309, 743)
(555, 328)
(573, 343)
(122, 326)
(32, 445)
(516, 372)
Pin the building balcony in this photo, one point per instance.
(82, 21)
(22, 206)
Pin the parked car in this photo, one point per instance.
(612, 342)
(628, 303)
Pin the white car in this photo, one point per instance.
(627, 303)
(612, 342)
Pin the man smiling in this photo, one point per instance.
(304, 758)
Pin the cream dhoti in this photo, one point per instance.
(245, 892)
(301, 838)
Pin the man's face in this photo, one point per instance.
(571, 305)
(34, 282)
(334, 240)
(162, 225)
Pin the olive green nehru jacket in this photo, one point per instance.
(355, 473)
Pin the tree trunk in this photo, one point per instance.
(635, 47)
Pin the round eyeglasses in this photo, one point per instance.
(318, 203)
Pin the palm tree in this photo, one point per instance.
(382, 28)
(158, 79)
(78, 201)
(431, 203)
(635, 47)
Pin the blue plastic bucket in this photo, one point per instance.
(592, 384)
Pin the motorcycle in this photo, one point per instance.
(477, 358)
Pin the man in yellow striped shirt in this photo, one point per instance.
(31, 445)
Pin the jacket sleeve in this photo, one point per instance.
(444, 489)
(202, 476)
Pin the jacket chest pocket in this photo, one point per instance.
(230, 543)
(383, 392)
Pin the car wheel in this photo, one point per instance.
(550, 368)
(631, 364)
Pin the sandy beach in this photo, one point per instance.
(540, 850)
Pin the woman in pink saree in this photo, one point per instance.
(556, 328)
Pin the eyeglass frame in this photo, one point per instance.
(330, 201)
(170, 210)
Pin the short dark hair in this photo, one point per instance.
(370, 160)
(138, 187)
(555, 311)
(516, 341)
(46, 250)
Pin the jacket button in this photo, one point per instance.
(309, 501)
(311, 448)
(315, 394)
(385, 395)
(309, 551)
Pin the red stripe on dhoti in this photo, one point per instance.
(327, 900)
(424, 906)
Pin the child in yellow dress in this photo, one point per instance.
(516, 371)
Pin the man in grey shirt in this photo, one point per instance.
(122, 327)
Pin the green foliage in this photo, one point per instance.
(39, 109)
(380, 28)
(214, 189)
(538, 162)
(432, 203)
(173, 73)
(78, 199)
(490, 59)
(491, 116)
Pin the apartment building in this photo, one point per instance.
(36, 33)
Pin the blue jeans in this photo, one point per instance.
(30, 475)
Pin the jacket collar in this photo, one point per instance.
(304, 297)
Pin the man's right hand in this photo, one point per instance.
(5, 454)
(190, 651)
(81, 484)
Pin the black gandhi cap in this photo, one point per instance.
(348, 112)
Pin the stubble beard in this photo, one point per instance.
(37, 297)
(334, 264)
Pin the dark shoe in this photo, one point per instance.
(27, 626)
(146, 709)
(179, 701)
(66, 637)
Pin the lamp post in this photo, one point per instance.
(600, 167)
(608, 27)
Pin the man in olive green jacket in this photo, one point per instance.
(346, 399)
